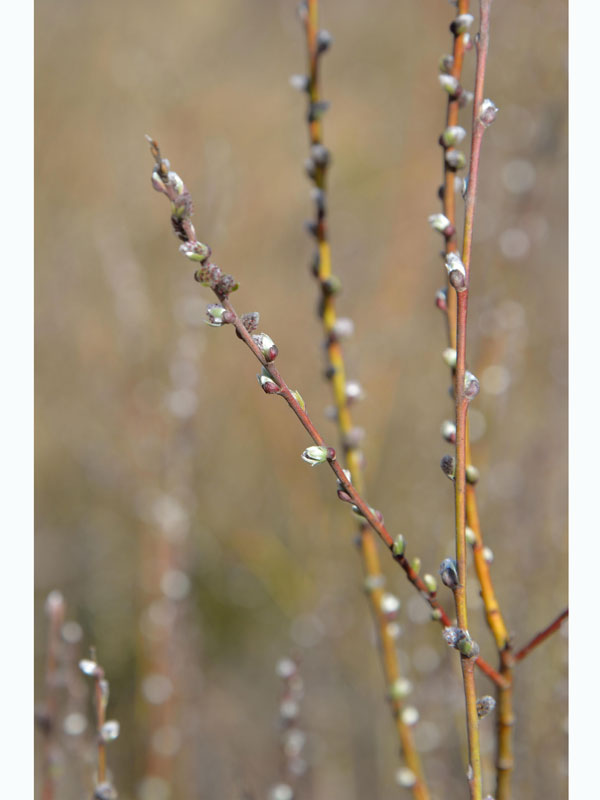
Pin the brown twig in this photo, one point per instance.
(541, 636)
(171, 185)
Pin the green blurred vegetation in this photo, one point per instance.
(155, 448)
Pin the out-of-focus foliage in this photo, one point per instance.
(157, 452)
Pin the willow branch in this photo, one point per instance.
(272, 382)
(383, 606)
(541, 636)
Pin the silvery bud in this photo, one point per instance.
(449, 356)
(318, 454)
(457, 274)
(471, 474)
(453, 135)
(445, 64)
(343, 328)
(300, 82)
(441, 223)
(470, 536)
(487, 112)
(455, 159)
(471, 387)
(405, 777)
(216, 315)
(465, 98)
(390, 605)
(448, 431)
(266, 345)
(448, 465)
(400, 689)
(461, 23)
(250, 321)
(195, 251)
(354, 391)
(320, 155)
(267, 383)
(449, 573)
(449, 83)
(485, 704)
(324, 41)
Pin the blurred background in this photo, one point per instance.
(191, 545)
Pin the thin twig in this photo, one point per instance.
(541, 636)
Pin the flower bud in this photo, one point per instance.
(409, 715)
(354, 391)
(320, 155)
(343, 328)
(448, 465)
(485, 704)
(430, 583)
(300, 82)
(487, 113)
(216, 315)
(445, 64)
(267, 346)
(331, 285)
(488, 555)
(457, 274)
(471, 386)
(390, 605)
(318, 454)
(195, 251)
(110, 731)
(449, 83)
(465, 98)
(324, 41)
(267, 383)
(461, 23)
(250, 321)
(449, 356)
(453, 135)
(449, 431)
(449, 573)
(400, 689)
(471, 474)
(455, 159)
(405, 777)
(470, 536)
(442, 224)
(436, 614)
(88, 667)
(441, 299)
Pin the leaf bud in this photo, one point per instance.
(449, 573)
(398, 546)
(298, 398)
